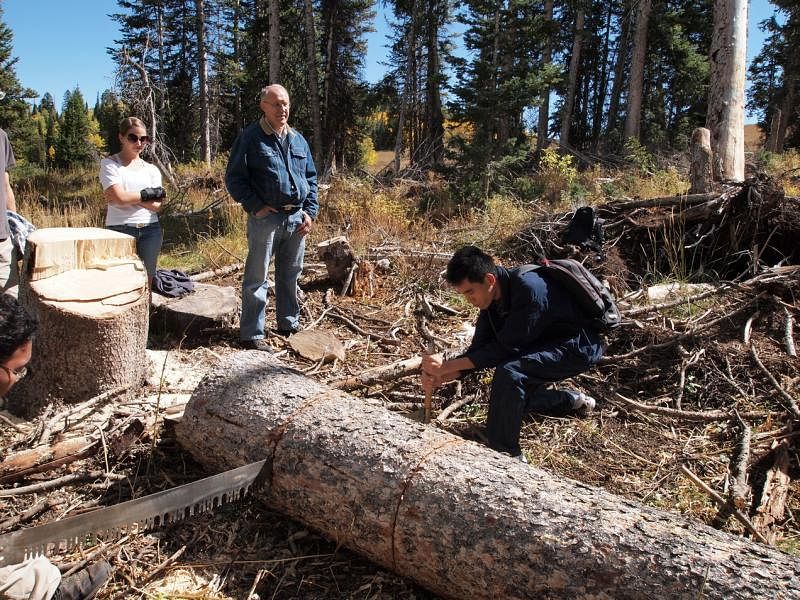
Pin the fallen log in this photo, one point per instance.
(458, 518)
(209, 307)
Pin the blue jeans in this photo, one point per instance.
(148, 243)
(521, 386)
(273, 234)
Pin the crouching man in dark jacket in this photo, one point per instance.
(531, 331)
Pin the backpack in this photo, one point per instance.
(595, 299)
(585, 230)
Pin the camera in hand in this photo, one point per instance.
(152, 193)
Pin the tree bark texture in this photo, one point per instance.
(543, 122)
(313, 80)
(725, 116)
(202, 70)
(633, 117)
(619, 67)
(572, 84)
(274, 42)
(701, 177)
(455, 516)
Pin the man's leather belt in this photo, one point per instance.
(290, 208)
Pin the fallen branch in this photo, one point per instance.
(685, 415)
(721, 502)
(788, 335)
(46, 486)
(152, 574)
(772, 507)
(792, 403)
(49, 428)
(221, 272)
(33, 511)
(396, 370)
(453, 407)
(45, 458)
(375, 336)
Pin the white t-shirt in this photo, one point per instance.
(133, 178)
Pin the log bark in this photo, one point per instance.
(458, 518)
(88, 289)
(701, 175)
(208, 307)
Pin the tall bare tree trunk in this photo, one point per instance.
(572, 84)
(408, 87)
(619, 69)
(202, 68)
(274, 41)
(543, 124)
(787, 108)
(725, 117)
(238, 115)
(313, 81)
(435, 118)
(601, 83)
(633, 117)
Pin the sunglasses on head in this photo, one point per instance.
(132, 137)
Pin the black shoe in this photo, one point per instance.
(287, 332)
(261, 345)
(85, 583)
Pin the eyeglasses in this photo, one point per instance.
(17, 373)
(133, 138)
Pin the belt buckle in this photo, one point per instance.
(140, 225)
(288, 207)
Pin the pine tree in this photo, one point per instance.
(109, 111)
(14, 111)
(74, 145)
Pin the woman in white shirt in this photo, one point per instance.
(132, 188)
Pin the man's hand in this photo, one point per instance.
(307, 224)
(264, 211)
(432, 363)
(152, 205)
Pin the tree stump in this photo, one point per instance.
(701, 176)
(208, 307)
(338, 257)
(458, 518)
(88, 289)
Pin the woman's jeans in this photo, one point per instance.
(148, 243)
(274, 234)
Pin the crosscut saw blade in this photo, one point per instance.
(133, 516)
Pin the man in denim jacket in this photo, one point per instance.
(271, 174)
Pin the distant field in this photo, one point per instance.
(753, 137)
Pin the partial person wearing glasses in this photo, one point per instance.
(271, 174)
(132, 189)
(36, 578)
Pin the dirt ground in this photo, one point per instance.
(688, 352)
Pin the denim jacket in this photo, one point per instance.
(532, 313)
(257, 173)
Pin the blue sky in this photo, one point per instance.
(62, 44)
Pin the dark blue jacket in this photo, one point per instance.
(532, 314)
(259, 174)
